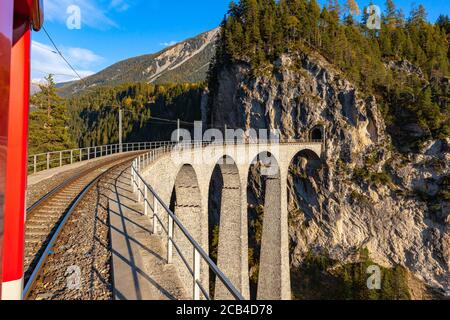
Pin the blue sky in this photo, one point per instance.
(113, 30)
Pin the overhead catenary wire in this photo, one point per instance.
(62, 56)
(56, 74)
(164, 120)
(44, 47)
(174, 121)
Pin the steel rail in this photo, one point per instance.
(56, 159)
(73, 206)
(67, 182)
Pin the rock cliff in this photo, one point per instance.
(362, 194)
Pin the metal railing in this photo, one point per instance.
(144, 190)
(56, 159)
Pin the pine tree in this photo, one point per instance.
(352, 8)
(49, 123)
(418, 15)
(334, 8)
(268, 23)
(250, 14)
(390, 18)
(444, 23)
(314, 16)
(431, 116)
(364, 18)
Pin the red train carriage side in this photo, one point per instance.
(16, 19)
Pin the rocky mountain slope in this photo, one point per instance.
(363, 195)
(187, 61)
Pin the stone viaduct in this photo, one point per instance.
(187, 173)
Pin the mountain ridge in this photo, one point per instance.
(186, 61)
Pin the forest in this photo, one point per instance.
(92, 118)
(95, 114)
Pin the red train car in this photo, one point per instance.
(17, 17)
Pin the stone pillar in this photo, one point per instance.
(274, 273)
(233, 244)
(188, 210)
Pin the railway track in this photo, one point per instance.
(46, 218)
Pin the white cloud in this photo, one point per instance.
(94, 14)
(82, 56)
(120, 5)
(44, 60)
(169, 44)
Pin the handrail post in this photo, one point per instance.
(89, 153)
(196, 277)
(169, 241)
(81, 155)
(145, 200)
(132, 175)
(155, 212)
(48, 161)
(133, 179)
(35, 164)
(139, 190)
(60, 158)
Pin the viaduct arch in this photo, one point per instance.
(185, 175)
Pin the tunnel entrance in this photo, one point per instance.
(317, 134)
